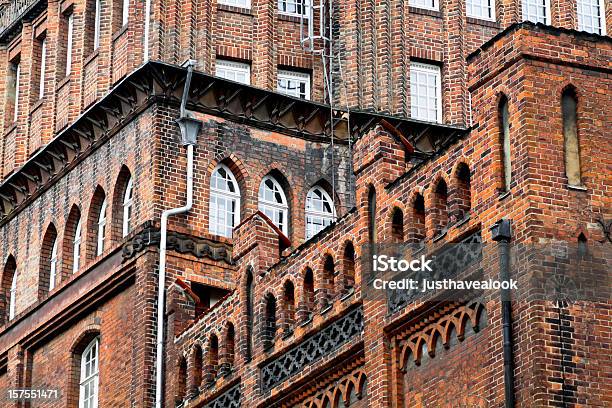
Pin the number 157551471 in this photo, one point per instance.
(25, 394)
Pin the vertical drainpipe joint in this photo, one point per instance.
(190, 127)
(501, 231)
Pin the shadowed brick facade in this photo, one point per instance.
(266, 318)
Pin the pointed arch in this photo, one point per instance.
(320, 209)
(181, 381)
(326, 281)
(123, 205)
(8, 294)
(439, 206)
(225, 201)
(213, 358)
(397, 225)
(72, 245)
(372, 227)
(48, 269)
(274, 199)
(96, 224)
(461, 195)
(269, 322)
(308, 301)
(230, 345)
(249, 293)
(196, 368)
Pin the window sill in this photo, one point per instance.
(290, 17)
(63, 82)
(483, 22)
(120, 32)
(425, 11)
(234, 9)
(576, 187)
(12, 126)
(37, 105)
(503, 195)
(91, 57)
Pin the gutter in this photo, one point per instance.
(189, 131)
(502, 234)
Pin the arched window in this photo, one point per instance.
(9, 288)
(181, 389)
(288, 316)
(570, 137)
(224, 210)
(462, 196)
(349, 267)
(213, 358)
(127, 208)
(320, 211)
(230, 345)
(273, 203)
(372, 215)
(504, 128)
(48, 262)
(101, 229)
(196, 367)
(88, 383)
(309, 295)
(327, 281)
(269, 323)
(397, 225)
(13, 296)
(76, 248)
(440, 207)
(71, 247)
(416, 233)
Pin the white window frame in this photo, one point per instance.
(230, 69)
(17, 86)
(471, 5)
(90, 375)
(283, 5)
(43, 67)
(96, 43)
(13, 296)
(602, 17)
(222, 195)
(274, 209)
(128, 201)
(293, 76)
(101, 229)
(53, 265)
(125, 10)
(69, 39)
(426, 4)
(76, 248)
(537, 18)
(427, 69)
(236, 3)
(323, 219)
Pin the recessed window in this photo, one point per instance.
(97, 24)
(43, 67)
(273, 202)
(537, 11)
(224, 209)
(13, 84)
(294, 7)
(53, 265)
(482, 9)
(69, 27)
(125, 10)
(88, 384)
(234, 71)
(13, 296)
(426, 4)
(236, 3)
(76, 248)
(320, 211)
(127, 208)
(425, 92)
(101, 229)
(591, 16)
(294, 84)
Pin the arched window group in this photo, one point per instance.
(52, 268)
(273, 201)
(203, 368)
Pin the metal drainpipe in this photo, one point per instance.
(189, 130)
(502, 233)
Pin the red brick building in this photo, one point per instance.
(448, 117)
